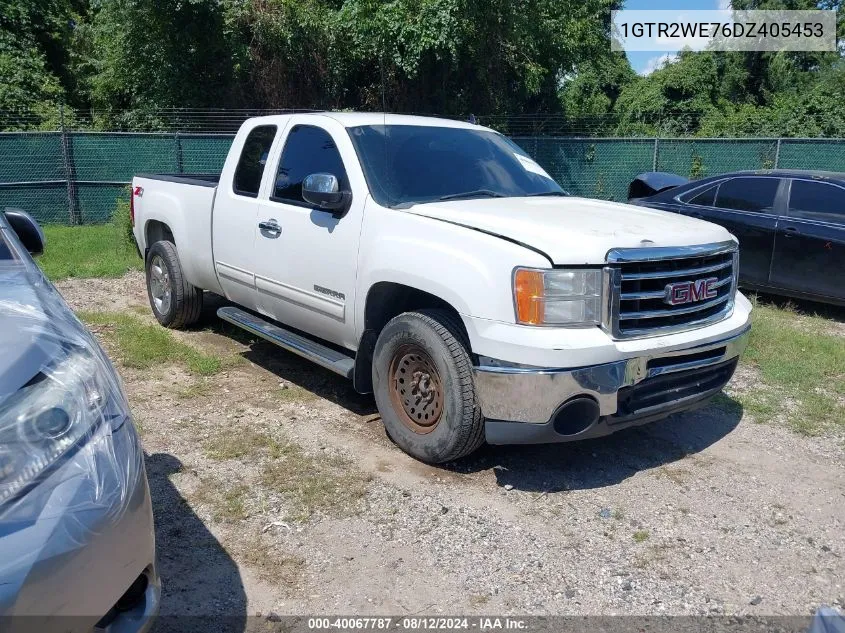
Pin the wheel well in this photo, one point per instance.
(157, 231)
(386, 300)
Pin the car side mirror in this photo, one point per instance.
(27, 229)
(323, 191)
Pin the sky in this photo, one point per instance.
(645, 62)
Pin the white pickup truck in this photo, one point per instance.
(436, 265)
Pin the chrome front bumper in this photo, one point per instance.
(530, 397)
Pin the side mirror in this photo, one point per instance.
(27, 229)
(323, 191)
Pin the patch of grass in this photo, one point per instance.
(278, 568)
(640, 536)
(652, 554)
(322, 485)
(293, 393)
(88, 251)
(676, 475)
(196, 389)
(479, 599)
(240, 442)
(141, 346)
(225, 503)
(802, 368)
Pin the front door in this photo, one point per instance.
(307, 258)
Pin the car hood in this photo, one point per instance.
(33, 331)
(574, 230)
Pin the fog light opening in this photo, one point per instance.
(134, 594)
(576, 415)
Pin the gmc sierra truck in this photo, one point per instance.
(439, 267)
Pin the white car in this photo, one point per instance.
(435, 264)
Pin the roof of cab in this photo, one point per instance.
(354, 119)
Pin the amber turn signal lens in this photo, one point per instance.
(528, 290)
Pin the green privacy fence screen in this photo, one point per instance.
(78, 177)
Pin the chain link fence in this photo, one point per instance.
(76, 176)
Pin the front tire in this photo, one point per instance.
(174, 301)
(422, 381)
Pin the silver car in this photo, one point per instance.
(77, 547)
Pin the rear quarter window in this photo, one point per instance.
(253, 159)
(703, 197)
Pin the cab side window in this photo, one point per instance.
(817, 201)
(308, 150)
(748, 194)
(250, 167)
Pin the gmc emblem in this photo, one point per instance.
(691, 291)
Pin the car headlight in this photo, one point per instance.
(558, 297)
(53, 414)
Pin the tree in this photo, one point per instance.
(452, 56)
(33, 44)
(151, 54)
(589, 97)
(672, 100)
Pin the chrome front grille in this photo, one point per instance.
(655, 291)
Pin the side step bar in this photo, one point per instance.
(315, 352)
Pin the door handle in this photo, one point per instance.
(789, 231)
(270, 225)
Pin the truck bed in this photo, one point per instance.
(183, 204)
(198, 180)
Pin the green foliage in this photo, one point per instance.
(141, 345)
(33, 42)
(130, 59)
(87, 251)
(418, 55)
(151, 54)
(800, 379)
(596, 85)
(122, 221)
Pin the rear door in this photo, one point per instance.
(236, 215)
(810, 245)
(748, 207)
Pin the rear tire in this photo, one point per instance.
(422, 382)
(174, 301)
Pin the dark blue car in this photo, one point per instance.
(790, 224)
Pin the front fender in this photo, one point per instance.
(468, 269)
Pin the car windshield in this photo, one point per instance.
(414, 164)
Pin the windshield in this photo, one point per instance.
(414, 164)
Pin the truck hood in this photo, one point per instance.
(574, 230)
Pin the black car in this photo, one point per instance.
(790, 224)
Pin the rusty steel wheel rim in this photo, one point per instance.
(416, 391)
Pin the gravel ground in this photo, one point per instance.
(705, 513)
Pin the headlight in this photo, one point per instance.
(52, 415)
(557, 297)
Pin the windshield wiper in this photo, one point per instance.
(548, 193)
(473, 194)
